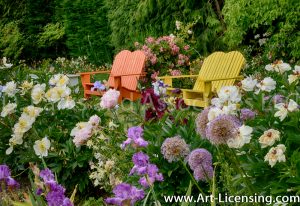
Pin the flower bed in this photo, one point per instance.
(245, 143)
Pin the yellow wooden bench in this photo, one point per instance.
(219, 69)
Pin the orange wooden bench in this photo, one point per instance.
(127, 69)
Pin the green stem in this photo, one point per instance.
(152, 190)
(44, 163)
(21, 172)
(192, 177)
(242, 171)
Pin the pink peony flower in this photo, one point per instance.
(110, 99)
(94, 120)
(82, 135)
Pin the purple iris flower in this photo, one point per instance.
(98, 86)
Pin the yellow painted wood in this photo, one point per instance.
(219, 69)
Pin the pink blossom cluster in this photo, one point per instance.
(150, 55)
(175, 72)
(183, 60)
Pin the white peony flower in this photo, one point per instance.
(267, 84)
(276, 154)
(243, 137)
(63, 91)
(229, 94)
(37, 93)
(32, 111)
(41, 147)
(230, 109)
(213, 113)
(278, 66)
(26, 86)
(249, 84)
(59, 80)
(52, 95)
(217, 102)
(8, 109)
(25, 123)
(283, 109)
(269, 137)
(295, 76)
(10, 89)
(66, 103)
(9, 150)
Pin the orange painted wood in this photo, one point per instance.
(127, 69)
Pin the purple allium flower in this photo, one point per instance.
(174, 148)
(135, 134)
(201, 122)
(47, 175)
(247, 114)
(4, 172)
(203, 172)
(199, 157)
(125, 192)
(98, 85)
(141, 161)
(222, 128)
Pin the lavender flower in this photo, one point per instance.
(125, 192)
(141, 161)
(174, 148)
(98, 85)
(199, 157)
(247, 114)
(222, 128)
(6, 178)
(135, 135)
(4, 172)
(55, 195)
(47, 175)
(203, 172)
(201, 122)
(151, 177)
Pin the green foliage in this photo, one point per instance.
(11, 40)
(52, 33)
(135, 20)
(87, 30)
(277, 22)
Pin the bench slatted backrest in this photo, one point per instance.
(220, 65)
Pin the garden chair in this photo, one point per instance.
(127, 68)
(219, 69)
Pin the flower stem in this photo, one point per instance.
(192, 177)
(240, 169)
